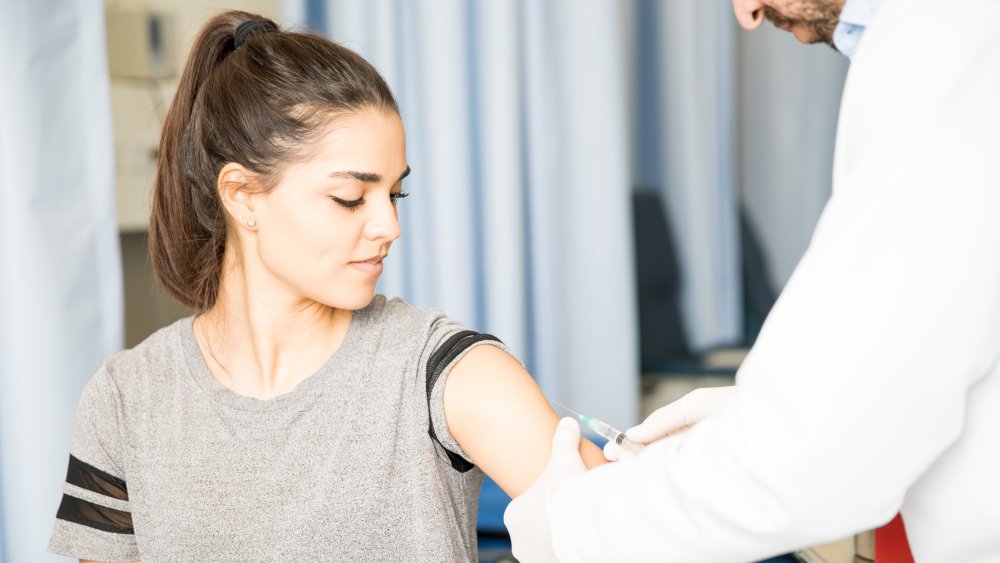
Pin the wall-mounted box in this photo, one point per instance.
(142, 43)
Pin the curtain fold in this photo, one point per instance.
(591, 207)
(696, 66)
(60, 273)
(501, 171)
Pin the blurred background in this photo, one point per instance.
(618, 190)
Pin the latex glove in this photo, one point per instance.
(675, 418)
(526, 516)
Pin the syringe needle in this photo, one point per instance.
(566, 408)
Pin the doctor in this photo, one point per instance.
(874, 386)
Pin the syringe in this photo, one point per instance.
(607, 431)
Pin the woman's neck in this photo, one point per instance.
(260, 341)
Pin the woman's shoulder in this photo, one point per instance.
(407, 323)
(396, 311)
(157, 357)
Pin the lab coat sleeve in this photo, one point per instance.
(859, 378)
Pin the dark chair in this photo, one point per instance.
(662, 342)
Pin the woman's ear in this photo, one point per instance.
(233, 185)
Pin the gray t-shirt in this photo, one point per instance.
(167, 464)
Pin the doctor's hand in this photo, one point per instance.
(675, 418)
(526, 516)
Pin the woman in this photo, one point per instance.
(296, 416)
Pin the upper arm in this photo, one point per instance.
(94, 516)
(497, 413)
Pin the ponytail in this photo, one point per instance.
(260, 104)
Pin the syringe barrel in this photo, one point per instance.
(602, 428)
(617, 436)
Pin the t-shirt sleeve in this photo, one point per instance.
(94, 520)
(445, 348)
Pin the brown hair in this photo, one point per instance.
(259, 104)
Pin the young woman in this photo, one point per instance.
(296, 416)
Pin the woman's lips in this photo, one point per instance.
(371, 267)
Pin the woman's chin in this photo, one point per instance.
(352, 301)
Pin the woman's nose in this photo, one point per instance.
(384, 224)
(749, 13)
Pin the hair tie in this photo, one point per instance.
(248, 27)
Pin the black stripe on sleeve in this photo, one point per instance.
(95, 516)
(438, 360)
(86, 476)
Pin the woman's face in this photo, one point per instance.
(324, 230)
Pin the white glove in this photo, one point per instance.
(526, 516)
(675, 418)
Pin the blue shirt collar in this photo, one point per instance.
(854, 18)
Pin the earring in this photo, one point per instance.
(251, 223)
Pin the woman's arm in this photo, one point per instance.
(497, 413)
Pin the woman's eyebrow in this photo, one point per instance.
(366, 177)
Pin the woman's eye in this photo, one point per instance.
(396, 196)
(348, 203)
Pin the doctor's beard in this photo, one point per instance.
(819, 17)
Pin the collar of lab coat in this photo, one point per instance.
(853, 19)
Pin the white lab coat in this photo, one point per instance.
(874, 384)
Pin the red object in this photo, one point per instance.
(891, 545)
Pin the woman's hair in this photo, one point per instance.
(260, 100)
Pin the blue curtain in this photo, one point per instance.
(60, 286)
